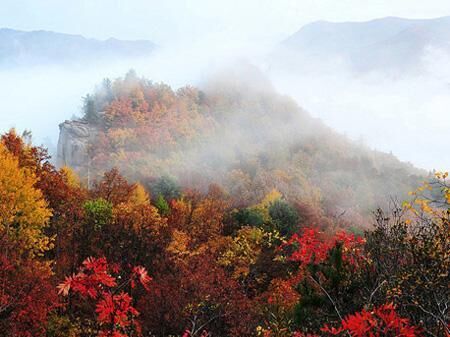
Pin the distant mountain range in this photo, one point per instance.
(388, 44)
(21, 48)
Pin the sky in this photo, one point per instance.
(172, 21)
(195, 35)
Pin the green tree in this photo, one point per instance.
(98, 212)
(90, 112)
(284, 217)
(162, 205)
(167, 187)
(249, 216)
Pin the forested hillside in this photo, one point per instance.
(119, 259)
(224, 168)
(244, 137)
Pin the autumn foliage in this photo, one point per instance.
(96, 282)
(250, 140)
(154, 257)
(381, 321)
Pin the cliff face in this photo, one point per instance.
(73, 144)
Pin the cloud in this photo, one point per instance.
(405, 114)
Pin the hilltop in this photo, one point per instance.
(246, 138)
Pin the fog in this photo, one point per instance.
(406, 115)
(38, 98)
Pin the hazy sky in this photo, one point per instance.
(177, 20)
(199, 35)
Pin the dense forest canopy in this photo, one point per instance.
(224, 210)
(221, 211)
(236, 131)
(119, 259)
(265, 169)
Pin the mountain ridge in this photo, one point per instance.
(383, 44)
(248, 140)
(43, 47)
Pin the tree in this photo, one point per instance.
(99, 284)
(222, 265)
(162, 205)
(329, 279)
(94, 228)
(381, 321)
(139, 195)
(23, 210)
(98, 213)
(61, 191)
(90, 112)
(27, 296)
(284, 217)
(249, 217)
(167, 187)
(113, 187)
(137, 234)
(243, 251)
(197, 296)
(411, 263)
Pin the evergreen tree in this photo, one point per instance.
(90, 113)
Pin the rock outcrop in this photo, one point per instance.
(73, 144)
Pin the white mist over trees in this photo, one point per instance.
(384, 81)
(381, 109)
(207, 180)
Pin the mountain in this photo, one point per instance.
(246, 138)
(386, 44)
(372, 79)
(21, 48)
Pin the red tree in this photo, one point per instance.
(95, 283)
(27, 296)
(382, 321)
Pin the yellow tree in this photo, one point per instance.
(23, 210)
(243, 251)
(265, 203)
(139, 196)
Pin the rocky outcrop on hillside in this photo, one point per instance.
(73, 144)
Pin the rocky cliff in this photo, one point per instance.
(73, 144)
